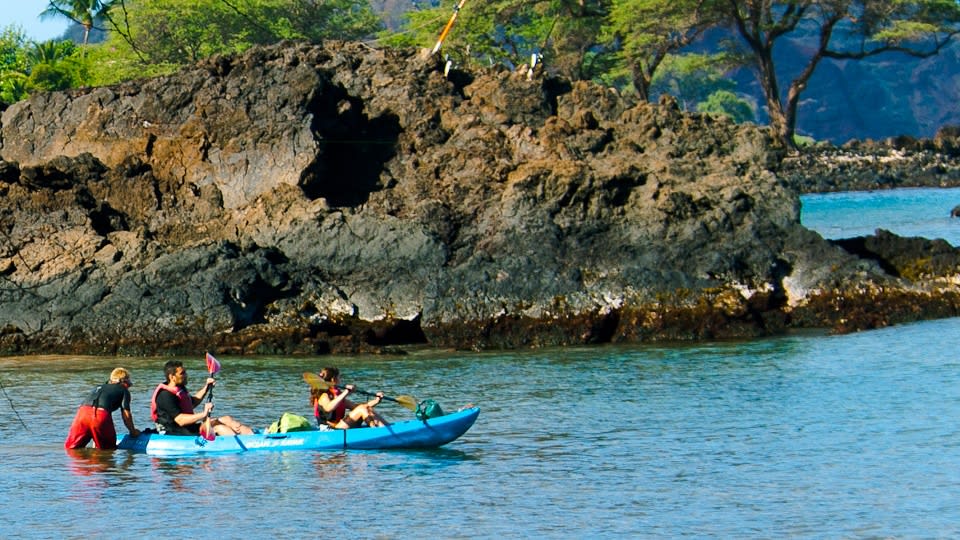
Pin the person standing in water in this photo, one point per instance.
(94, 420)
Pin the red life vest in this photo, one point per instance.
(336, 414)
(186, 400)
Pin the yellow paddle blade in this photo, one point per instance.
(315, 381)
(408, 402)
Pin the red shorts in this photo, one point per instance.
(92, 423)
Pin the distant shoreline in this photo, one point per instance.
(867, 166)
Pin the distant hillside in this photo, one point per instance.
(886, 96)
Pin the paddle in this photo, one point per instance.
(315, 381)
(206, 428)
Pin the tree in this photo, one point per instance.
(51, 66)
(692, 77)
(178, 32)
(13, 65)
(841, 29)
(563, 32)
(82, 12)
(645, 32)
(728, 104)
(27, 67)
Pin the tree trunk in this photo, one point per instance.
(781, 121)
(640, 82)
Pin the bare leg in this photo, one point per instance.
(226, 425)
(361, 414)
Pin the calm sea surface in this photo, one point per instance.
(802, 436)
(907, 212)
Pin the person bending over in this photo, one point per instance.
(94, 420)
(172, 406)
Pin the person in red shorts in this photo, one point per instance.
(94, 420)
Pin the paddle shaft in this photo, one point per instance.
(206, 429)
(364, 392)
(314, 380)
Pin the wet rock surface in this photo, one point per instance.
(309, 199)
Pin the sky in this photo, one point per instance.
(24, 13)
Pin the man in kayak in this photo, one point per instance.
(172, 406)
(94, 420)
(333, 409)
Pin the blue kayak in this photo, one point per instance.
(407, 434)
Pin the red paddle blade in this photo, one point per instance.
(206, 430)
(213, 365)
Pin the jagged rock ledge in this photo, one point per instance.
(336, 198)
(870, 165)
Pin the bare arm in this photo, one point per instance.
(202, 392)
(128, 421)
(328, 404)
(185, 419)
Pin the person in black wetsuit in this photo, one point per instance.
(94, 420)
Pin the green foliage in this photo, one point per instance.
(420, 28)
(53, 66)
(12, 43)
(27, 67)
(692, 78)
(156, 37)
(178, 32)
(803, 141)
(13, 87)
(50, 77)
(508, 32)
(115, 61)
(728, 104)
(13, 65)
(645, 33)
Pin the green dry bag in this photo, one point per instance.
(289, 422)
(428, 408)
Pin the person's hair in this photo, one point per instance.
(119, 374)
(170, 368)
(329, 373)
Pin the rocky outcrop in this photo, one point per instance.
(868, 165)
(306, 199)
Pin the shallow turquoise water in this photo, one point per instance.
(800, 436)
(907, 212)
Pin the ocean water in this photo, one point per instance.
(799, 436)
(921, 212)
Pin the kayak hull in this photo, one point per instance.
(430, 433)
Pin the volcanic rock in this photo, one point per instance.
(313, 198)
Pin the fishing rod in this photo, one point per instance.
(446, 29)
(6, 395)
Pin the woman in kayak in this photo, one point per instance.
(333, 409)
(93, 419)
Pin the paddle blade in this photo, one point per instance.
(407, 402)
(207, 431)
(315, 381)
(213, 365)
